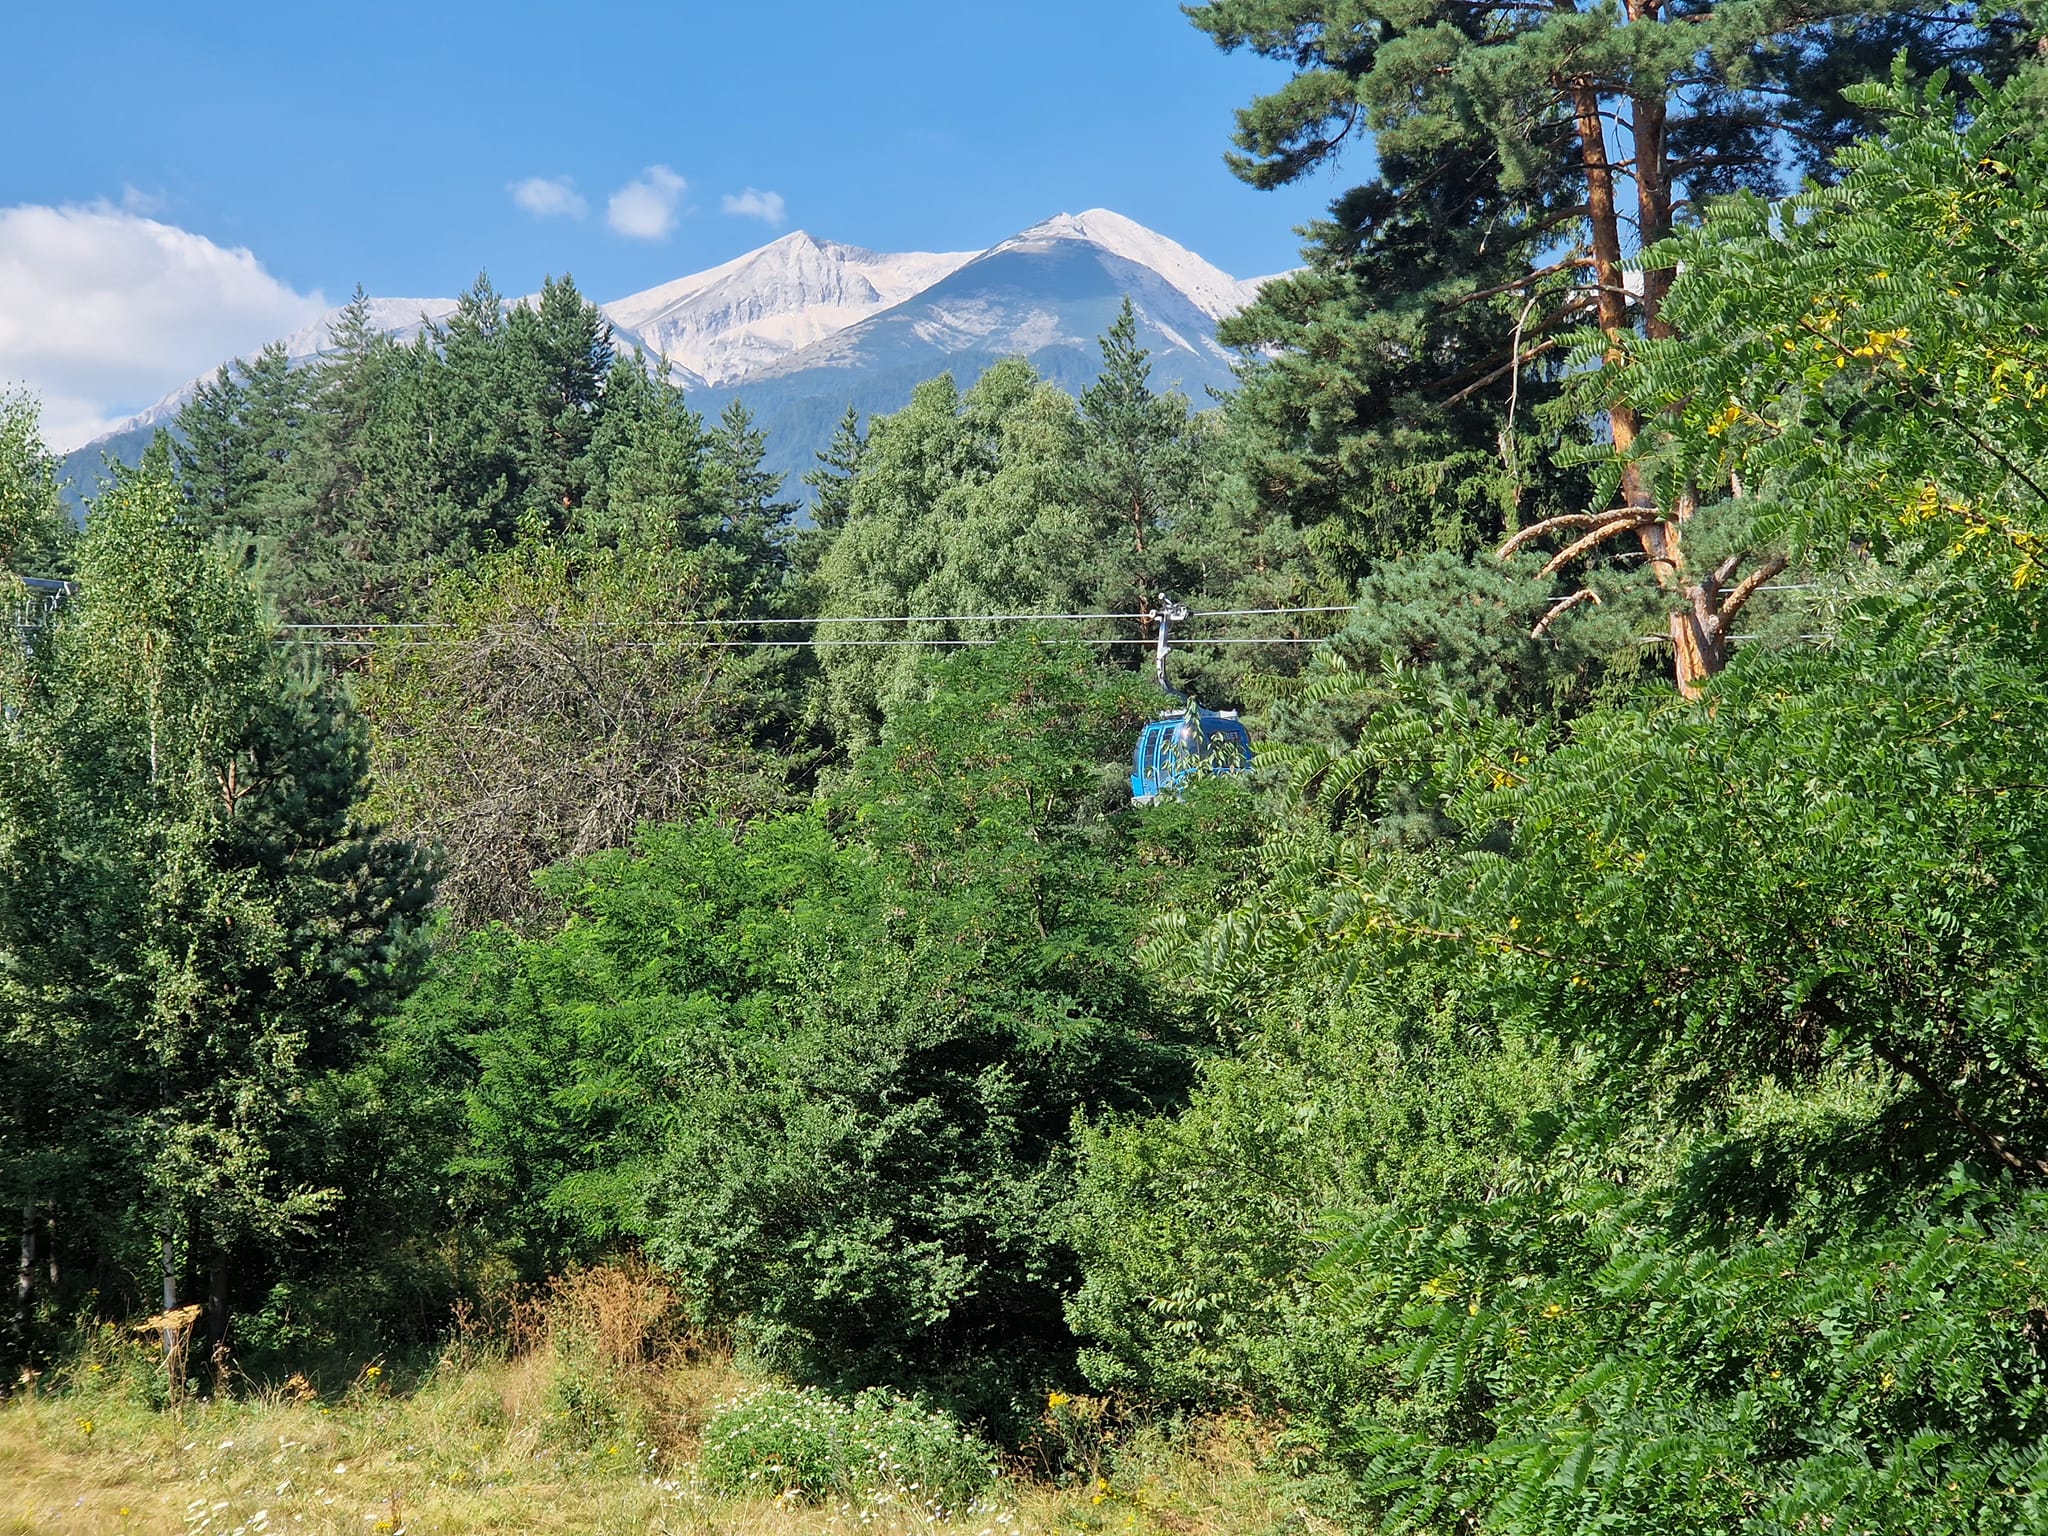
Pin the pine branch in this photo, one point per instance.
(1521, 282)
(1747, 588)
(1509, 366)
(1552, 524)
(1620, 524)
(1562, 607)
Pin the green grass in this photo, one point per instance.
(594, 1425)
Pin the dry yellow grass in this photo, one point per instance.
(480, 1449)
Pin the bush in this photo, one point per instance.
(797, 1441)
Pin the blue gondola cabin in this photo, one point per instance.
(1182, 743)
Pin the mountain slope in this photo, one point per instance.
(757, 309)
(1045, 294)
(802, 327)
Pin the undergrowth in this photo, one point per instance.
(592, 1407)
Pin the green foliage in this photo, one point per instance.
(35, 535)
(876, 1448)
(1568, 1371)
(830, 1077)
(563, 1058)
(198, 923)
(1375, 415)
(1460, 628)
(1865, 361)
(1388, 405)
(1013, 498)
(1199, 1233)
(956, 510)
(831, 482)
(1705, 1208)
(355, 481)
(874, 1187)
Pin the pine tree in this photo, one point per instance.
(212, 450)
(557, 355)
(831, 486)
(1138, 469)
(654, 454)
(1595, 130)
(754, 524)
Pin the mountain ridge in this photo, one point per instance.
(803, 326)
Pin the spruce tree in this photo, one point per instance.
(831, 485)
(754, 522)
(212, 450)
(1137, 471)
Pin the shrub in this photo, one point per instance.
(799, 1441)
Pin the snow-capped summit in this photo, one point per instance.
(803, 327)
(1210, 289)
(759, 308)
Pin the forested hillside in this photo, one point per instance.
(486, 898)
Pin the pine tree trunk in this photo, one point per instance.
(1659, 540)
(1698, 639)
(1649, 114)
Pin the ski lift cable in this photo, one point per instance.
(741, 645)
(884, 618)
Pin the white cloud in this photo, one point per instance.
(549, 198)
(755, 204)
(645, 207)
(103, 311)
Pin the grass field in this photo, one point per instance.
(586, 1428)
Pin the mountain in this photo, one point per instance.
(84, 468)
(719, 326)
(1044, 294)
(804, 327)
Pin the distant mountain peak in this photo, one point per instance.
(1209, 288)
(803, 325)
(758, 308)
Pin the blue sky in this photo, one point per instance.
(381, 143)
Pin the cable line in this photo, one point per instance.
(880, 618)
(740, 645)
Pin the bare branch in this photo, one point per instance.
(1562, 520)
(1523, 281)
(1578, 547)
(1562, 607)
(1512, 365)
(1747, 588)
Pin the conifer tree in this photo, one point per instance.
(753, 522)
(831, 486)
(1597, 128)
(1138, 468)
(212, 450)
(557, 356)
(654, 453)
